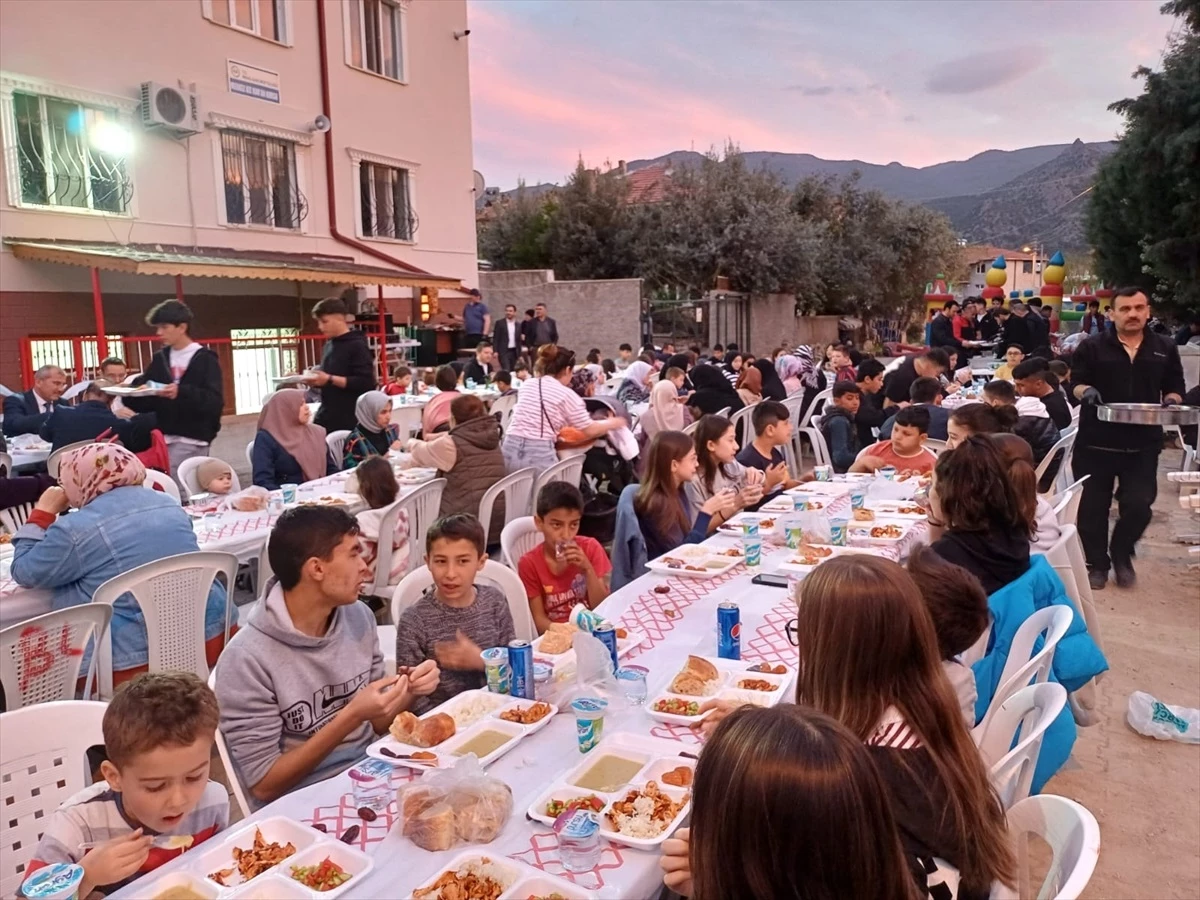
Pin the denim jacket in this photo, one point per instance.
(116, 532)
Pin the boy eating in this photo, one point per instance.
(302, 686)
(905, 450)
(772, 430)
(158, 737)
(455, 620)
(566, 569)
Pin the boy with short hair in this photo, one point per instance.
(158, 737)
(502, 381)
(838, 426)
(905, 450)
(1031, 379)
(677, 377)
(926, 393)
(566, 568)
(302, 686)
(772, 430)
(521, 371)
(869, 378)
(456, 619)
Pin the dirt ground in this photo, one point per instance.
(1145, 793)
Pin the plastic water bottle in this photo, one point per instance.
(1155, 719)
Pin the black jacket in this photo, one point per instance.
(1039, 330)
(349, 356)
(988, 327)
(1015, 331)
(475, 372)
(1041, 434)
(90, 419)
(941, 334)
(500, 335)
(21, 414)
(870, 415)
(196, 411)
(996, 558)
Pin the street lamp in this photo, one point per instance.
(1038, 254)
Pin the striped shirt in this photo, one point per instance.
(96, 814)
(544, 407)
(892, 731)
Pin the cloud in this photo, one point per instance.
(911, 118)
(823, 91)
(984, 70)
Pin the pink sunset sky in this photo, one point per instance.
(912, 81)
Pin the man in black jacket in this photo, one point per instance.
(91, 417)
(1014, 329)
(941, 329)
(189, 407)
(347, 367)
(544, 330)
(870, 409)
(26, 413)
(1039, 330)
(481, 369)
(508, 338)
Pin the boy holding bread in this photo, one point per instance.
(302, 687)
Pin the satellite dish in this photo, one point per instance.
(480, 184)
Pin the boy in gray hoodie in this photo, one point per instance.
(301, 687)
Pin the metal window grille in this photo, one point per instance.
(260, 181)
(386, 202)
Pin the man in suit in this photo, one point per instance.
(92, 417)
(941, 329)
(26, 413)
(543, 328)
(506, 338)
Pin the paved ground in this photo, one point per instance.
(1145, 793)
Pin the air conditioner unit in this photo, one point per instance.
(170, 108)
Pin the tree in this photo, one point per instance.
(1144, 218)
(592, 233)
(514, 231)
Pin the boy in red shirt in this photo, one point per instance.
(565, 569)
(905, 449)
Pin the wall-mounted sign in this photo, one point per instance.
(251, 81)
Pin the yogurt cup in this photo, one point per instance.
(57, 881)
(289, 492)
(589, 721)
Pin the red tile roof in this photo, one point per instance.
(977, 253)
(649, 185)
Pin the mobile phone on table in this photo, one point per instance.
(779, 581)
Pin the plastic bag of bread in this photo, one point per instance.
(451, 806)
(252, 499)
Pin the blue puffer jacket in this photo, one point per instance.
(1077, 658)
(628, 546)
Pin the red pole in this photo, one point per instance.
(382, 335)
(179, 288)
(98, 309)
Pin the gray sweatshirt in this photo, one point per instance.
(277, 687)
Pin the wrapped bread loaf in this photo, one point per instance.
(455, 805)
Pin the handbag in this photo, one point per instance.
(568, 437)
(156, 456)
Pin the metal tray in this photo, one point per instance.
(1147, 414)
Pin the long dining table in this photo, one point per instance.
(676, 623)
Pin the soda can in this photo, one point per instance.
(520, 661)
(837, 531)
(799, 503)
(750, 527)
(729, 630)
(823, 473)
(607, 635)
(497, 670)
(752, 548)
(795, 535)
(858, 497)
(887, 473)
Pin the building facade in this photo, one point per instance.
(186, 147)
(1024, 270)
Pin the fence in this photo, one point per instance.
(250, 360)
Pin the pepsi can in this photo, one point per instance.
(520, 662)
(729, 630)
(607, 635)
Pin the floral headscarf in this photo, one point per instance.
(96, 469)
(581, 380)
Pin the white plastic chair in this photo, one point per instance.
(416, 582)
(1066, 444)
(231, 772)
(744, 415)
(1023, 666)
(55, 674)
(815, 406)
(1013, 739)
(569, 470)
(1066, 502)
(503, 407)
(156, 480)
(689, 430)
(14, 517)
(336, 442)
(820, 448)
(517, 489)
(53, 459)
(382, 586)
(44, 763)
(1066, 556)
(422, 506)
(250, 456)
(190, 481)
(935, 446)
(1074, 838)
(6, 465)
(172, 594)
(518, 538)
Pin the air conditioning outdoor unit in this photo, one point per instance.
(170, 108)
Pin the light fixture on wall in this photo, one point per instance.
(459, 35)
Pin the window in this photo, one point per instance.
(981, 268)
(386, 202)
(375, 37)
(260, 181)
(262, 17)
(1027, 267)
(69, 154)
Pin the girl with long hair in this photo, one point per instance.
(978, 418)
(1043, 523)
(719, 471)
(787, 805)
(666, 515)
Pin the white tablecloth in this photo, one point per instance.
(678, 623)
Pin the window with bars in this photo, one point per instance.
(375, 37)
(60, 157)
(262, 17)
(386, 200)
(260, 181)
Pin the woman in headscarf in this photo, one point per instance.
(374, 434)
(732, 369)
(583, 382)
(666, 412)
(809, 377)
(750, 386)
(772, 387)
(117, 525)
(288, 449)
(634, 387)
(713, 392)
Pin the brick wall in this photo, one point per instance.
(603, 314)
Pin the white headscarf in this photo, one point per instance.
(638, 372)
(665, 413)
(367, 409)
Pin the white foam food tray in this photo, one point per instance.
(564, 663)
(727, 687)
(885, 533)
(768, 523)
(785, 504)
(895, 509)
(517, 880)
(696, 561)
(807, 558)
(819, 489)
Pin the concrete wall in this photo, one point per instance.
(773, 323)
(602, 314)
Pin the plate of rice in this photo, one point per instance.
(645, 815)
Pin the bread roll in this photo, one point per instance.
(416, 798)
(433, 829)
(435, 729)
(702, 669)
(481, 810)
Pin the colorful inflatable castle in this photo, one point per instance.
(995, 277)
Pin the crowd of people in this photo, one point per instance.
(877, 748)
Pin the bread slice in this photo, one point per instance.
(702, 669)
(433, 829)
